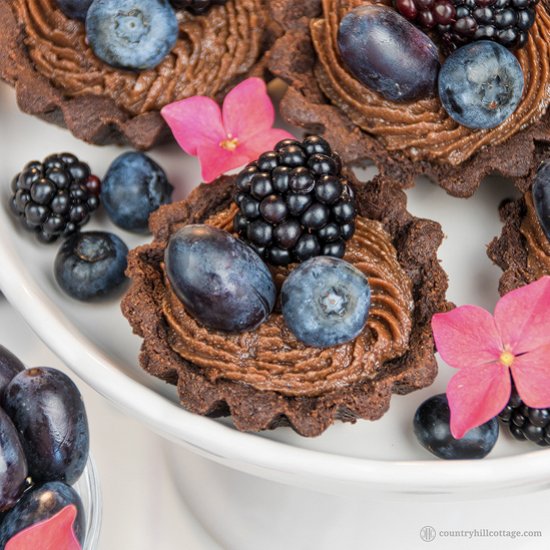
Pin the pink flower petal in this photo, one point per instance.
(195, 122)
(55, 533)
(248, 110)
(477, 394)
(523, 316)
(216, 160)
(531, 374)
(466, 336)
(265, 141)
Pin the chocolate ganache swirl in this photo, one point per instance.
(212, 51)
(422, 129)
(270, 358)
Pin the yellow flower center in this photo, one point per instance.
(229, 144)
(507, 358)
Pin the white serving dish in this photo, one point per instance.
(381, 459)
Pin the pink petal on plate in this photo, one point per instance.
(55, 533)
(477, 394)
(466, 336)
(195, 122)
(523, 316)
(264, 141)
(248, 110)
(216, 160)
(531, 374)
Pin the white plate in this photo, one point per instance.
(97, 343)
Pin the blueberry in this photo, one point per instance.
(131, 34)
(41, 503)
(133, 188)
(48, 412)
(10, 365)
(14, 465)
(325, 301)
(90, 264)
(388, 54)
(74, 9)
(433, 431)
(480, 84)
(220, 280)
(541, 196)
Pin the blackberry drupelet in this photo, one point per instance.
(526, 422)
(459, 22)
(294, 203)
(55, 197)
(196, 7)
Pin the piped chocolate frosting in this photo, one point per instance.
(270, 358)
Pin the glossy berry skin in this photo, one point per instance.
(432, 429)
(388, 54)
(325, 302)
(52, 197)
(541, 197)
(14, 464)
(10, 365)
(289, 196)
(48, 412)
(220, 280)
(131, 34)
(41, 503)
(134, 187)
(197, 7)
(480, 84)
(74, 9)
(526, 423)
(91, 265)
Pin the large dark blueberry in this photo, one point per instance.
(197, 7)
(41, 503)
(91, 264)
(388, 54)
(541, 196)
(131, 34)
(220, 280)
(325, 301)
(480, 84)
(75, 9)
(13, 472)
(48, 412)
(10, 365)
(134, 187)
(433, 431)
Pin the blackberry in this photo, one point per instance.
(459, 22)
(526, 423)
(196, 7)
(294, 203)
(55, 197)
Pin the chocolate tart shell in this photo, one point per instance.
(510, 250)
(96, 119)
(416, 241)
(293, 59)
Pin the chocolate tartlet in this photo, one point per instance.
(266, 378)
(523, 250)
(403, 139)
(45, 56)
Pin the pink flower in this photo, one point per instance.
(55, 533)
(226, 138)
(488, 349)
